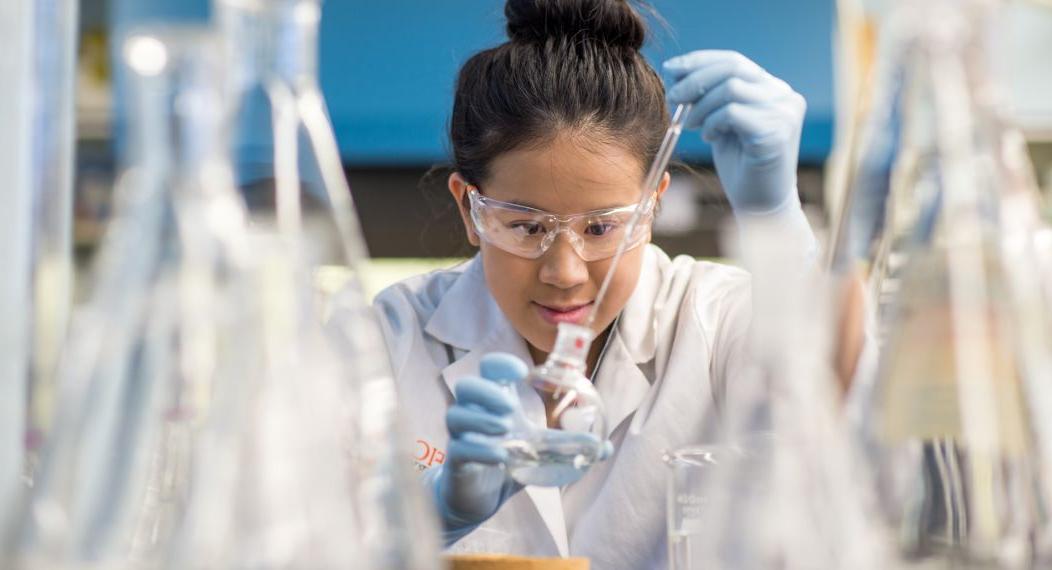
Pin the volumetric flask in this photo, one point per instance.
(558, 448)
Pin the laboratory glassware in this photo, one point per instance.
(646, 202)
(784, 488)
(55, 49)
(17, 29)
(115, 462)
(686, 487)
(556, 445)
(272, 47)
(39, 64)
(954, 428)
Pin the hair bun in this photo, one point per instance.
(613, 22)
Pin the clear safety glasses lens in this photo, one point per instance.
(529, 233)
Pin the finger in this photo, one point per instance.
(699, 82)
(681, 66)
(502, 366)
(732, 90)
(460, 420)
(757, 125)
(472, 448)
(741, 120)
(483, 394)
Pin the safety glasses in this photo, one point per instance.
(529, 232)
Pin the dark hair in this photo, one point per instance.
(568, 64)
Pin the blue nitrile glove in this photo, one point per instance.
(751, 118)
(471, 485)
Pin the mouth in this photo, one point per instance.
(555, 314)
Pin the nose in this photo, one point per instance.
(561, 266)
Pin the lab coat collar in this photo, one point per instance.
(468, 314)
(468, 319)
(621, 382)
(638, 326)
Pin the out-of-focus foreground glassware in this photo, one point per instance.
(209, 416)
(16, 25)
(272, 50)
(782, 487)
(127, 379)
(55, 47)
(36, 146)
(956, 422)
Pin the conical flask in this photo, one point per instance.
(952, 431)
(135, 371)
(272, 47)
(782, 488)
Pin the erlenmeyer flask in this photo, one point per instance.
(55, 39)
(953, 435)
(781, 489)
(276, 480)
(136, 367)
(272, 46)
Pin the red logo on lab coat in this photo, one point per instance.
(428, 455)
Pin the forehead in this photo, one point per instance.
(565, 176)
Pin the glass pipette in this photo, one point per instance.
(650, 185)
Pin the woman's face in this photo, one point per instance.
(562, 177)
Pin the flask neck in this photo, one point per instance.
(570, 353)
(565, 365)
(274, 39)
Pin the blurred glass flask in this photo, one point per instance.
(779, 486)
(959, 452)
(272, 50)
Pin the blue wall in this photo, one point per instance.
(387, 67)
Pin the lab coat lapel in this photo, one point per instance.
(621, 381)
(469, 319)
(549, 503)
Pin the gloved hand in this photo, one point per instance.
(752, 120)
(471, 485)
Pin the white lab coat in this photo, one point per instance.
(678, 349)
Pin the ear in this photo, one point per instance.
(458, 187)
(663, 185)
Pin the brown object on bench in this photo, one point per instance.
(499, 562)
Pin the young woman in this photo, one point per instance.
(562, 120)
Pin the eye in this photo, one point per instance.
(527, 228)
(600, 229)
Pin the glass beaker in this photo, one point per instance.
(688, 468)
